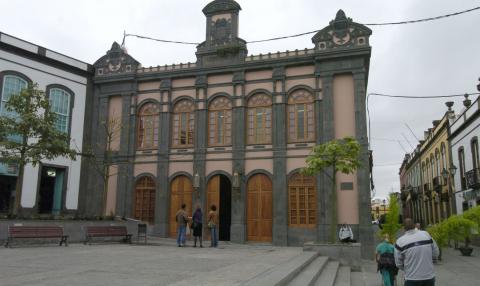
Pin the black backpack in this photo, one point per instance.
(387, 261)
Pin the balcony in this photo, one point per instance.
(472, 178)
(437, 184)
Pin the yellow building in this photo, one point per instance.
(426, 191)
(379, 207)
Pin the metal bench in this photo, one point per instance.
(107, 231)
(16, 231)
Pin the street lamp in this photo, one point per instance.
(446, 176)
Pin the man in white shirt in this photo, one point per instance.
(414, 254)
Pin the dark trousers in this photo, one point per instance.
(429, 282)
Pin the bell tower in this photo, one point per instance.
(222, 44)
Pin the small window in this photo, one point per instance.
(461, 160)
(301, 117)
(259, 119)
(220, 122)
(11, 85)
(475, 159)
(60, 105)
(147, 128)
(183, 123)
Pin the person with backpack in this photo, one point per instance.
(386, 261)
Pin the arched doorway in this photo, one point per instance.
(219, 193)
(144, 205)
(180, 193)
(259, 208)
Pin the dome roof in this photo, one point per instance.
(221, 6)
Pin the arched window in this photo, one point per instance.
(11, 85)
(220, 122)
(259, 119)
(475, 159)
(432, 167)
(301, 117)
(60, 104)
(144, 206)
(437, 163)
(183, 123)
(444, 158)
(147, 136)
(302, 202)
(461, 161)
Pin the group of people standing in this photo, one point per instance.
(195, 222)
(413, 253)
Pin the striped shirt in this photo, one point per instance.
(414, 253)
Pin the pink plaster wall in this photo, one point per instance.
(115, 112)
(212, 166)
(253, 75)
(224, 89)
(263, 164)
(294, 163)
(145, 168)
(177, 93)
(344, 118)
(222, 78)
(258, 154)
(112, 191)
(149, 85)
(299, 152)
(219, 156)
(174, 167)
(305, 81)
(144, 96)
(303, 70)
(264, 85)
(182, 82)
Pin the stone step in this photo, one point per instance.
(357, 278)
(329, 272)
(309, 274)
(343, 276)
(281, 274)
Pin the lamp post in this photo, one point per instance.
(384, 206)
(447, 176)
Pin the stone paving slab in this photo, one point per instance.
(159, 263)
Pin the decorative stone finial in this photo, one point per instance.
(449, 104)
(467, 102)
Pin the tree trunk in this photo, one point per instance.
(18, 190)
(105, 189)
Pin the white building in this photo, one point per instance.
(53, 186)
(464, 134)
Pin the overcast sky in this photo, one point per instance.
(435, 58)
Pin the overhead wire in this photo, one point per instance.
(311, 32)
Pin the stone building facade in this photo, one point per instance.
(234, 130)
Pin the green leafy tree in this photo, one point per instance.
(339, 155)
(28, 117)
(473, 214)
(391, 225)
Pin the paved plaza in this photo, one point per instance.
(159, 263)
(162, 263)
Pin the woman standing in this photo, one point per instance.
(197, 225)
(212, 225)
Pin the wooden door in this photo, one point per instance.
(259, 208)
(144, 206)
(180, 192)
(213, 198)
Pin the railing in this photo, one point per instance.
(279, 55)
(472, 178)
(165, 68)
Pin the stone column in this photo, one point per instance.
(365, 235)
(280, 185)
(238, 223)
(327, 132)
(162, 197)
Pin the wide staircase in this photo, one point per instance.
(309, 269)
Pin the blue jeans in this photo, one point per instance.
(213, 237)
(181, 231)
